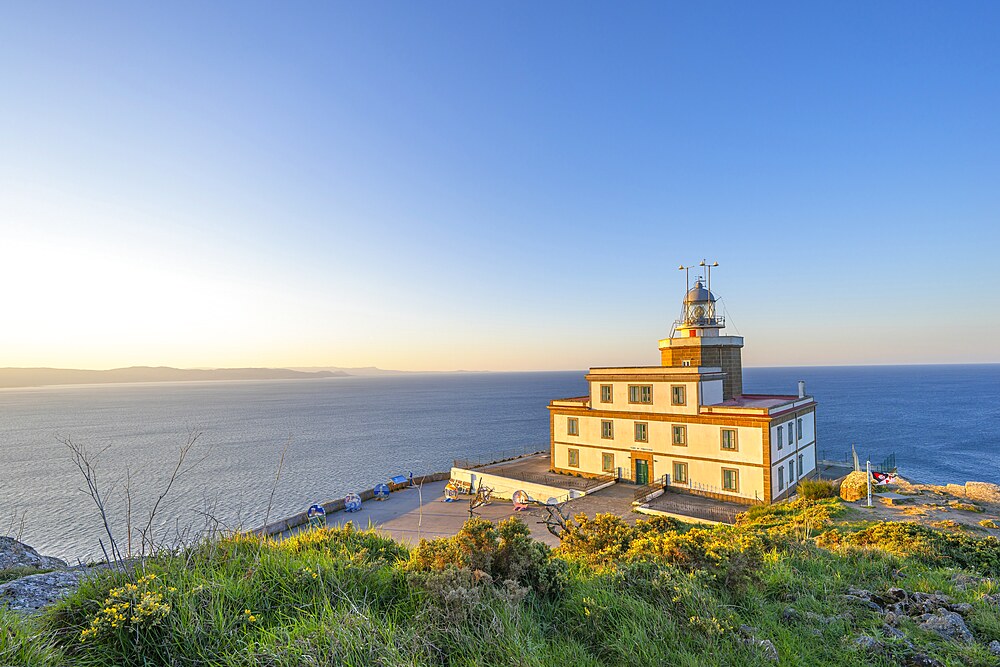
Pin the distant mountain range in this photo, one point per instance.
(38, 377)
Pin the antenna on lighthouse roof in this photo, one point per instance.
(709, 268)
(687, 276)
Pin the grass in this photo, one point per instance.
(12, 573)
(613, 594)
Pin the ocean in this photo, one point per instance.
(942, 423)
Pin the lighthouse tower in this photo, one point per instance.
(697, 341)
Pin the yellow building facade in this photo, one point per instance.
(688, 421)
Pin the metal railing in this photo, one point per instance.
(676, 504)
(498, 457)
(551, 478)
(643, 492)
(888, 464)
(713, 492)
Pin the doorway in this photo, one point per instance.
(641, 472)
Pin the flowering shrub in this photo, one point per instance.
(606, 539)
(911, 540)
(135, 606)
(504, 551)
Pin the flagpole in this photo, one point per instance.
(868, 469)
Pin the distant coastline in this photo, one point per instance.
(43, 377)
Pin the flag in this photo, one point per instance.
(883, 477)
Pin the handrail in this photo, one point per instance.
(498, 457)
(646, 490)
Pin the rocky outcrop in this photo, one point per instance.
(983, 491)
(16, 554)
(31, 593)
(854, 487)
(34, 591)
(933, 612)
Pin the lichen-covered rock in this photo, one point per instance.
(948, 624)
(994, 647)
(31, 593)
(983, 491)
(854, 487)
(16, 554)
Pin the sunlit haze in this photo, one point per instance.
(496, 186)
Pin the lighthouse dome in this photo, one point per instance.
(698, 294)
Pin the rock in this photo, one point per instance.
(862, 593)
(15, 554)
(891, 618)
(948, 624)
(869, 643)
(854, 487)
(963, 608)
(921, 660)
(955, 490)
(994, 647)
(963, 581)
(769, 650)
(890, 631)
(895, 595)
(31, 593)
(984, 491)
(862, 601)
(790, 614)
(766, 646)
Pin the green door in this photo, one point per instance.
(641, 471)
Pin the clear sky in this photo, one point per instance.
(496, 185)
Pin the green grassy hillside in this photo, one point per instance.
(799, 583)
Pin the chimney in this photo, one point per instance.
(802, 388)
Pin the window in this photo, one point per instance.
(640, 393)
(791, 471)
(729, 439)
(680, 473)
(780, 434)
(799, 429)
(680, 435)
(606, 395)
(791, 433)
(781, 478)
(731, 480)
(641, 432)
(800, 465)
(607, 462)
(678, 395)
(686, 362)
(573, 426)
(574, 458)
(607, 429)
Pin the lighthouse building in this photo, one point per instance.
(688, 421)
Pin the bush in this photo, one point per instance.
(815, 489)
(796, 519)
(911, 540)
(504, 551)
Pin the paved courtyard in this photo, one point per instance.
(414, 513)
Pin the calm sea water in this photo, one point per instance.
(942, 422)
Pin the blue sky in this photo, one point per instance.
(496, 185)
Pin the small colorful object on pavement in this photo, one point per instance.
(352, 502)
(450, 492)
(381, 492)
(520, 500)
(317, 516)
